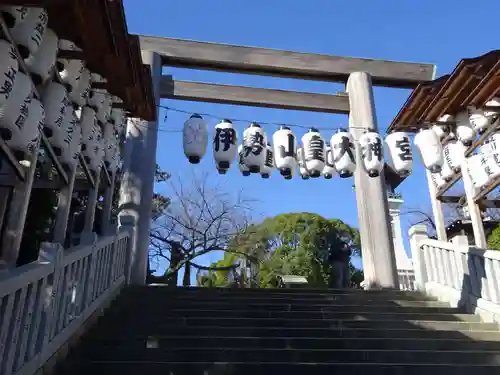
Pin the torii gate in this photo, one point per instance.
(379, 261)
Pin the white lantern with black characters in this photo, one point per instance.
(489, 160)
(268, 167)
(494, 142)
(476, 171)
(27, 27)
(69, 155)
(79, 94)
(254, 147)
(195, 138)
(9, 66)
(32, 126)
(314, 149)
(285, 150)
(454, 155)
(117, 116)
(41, 63)
(400, 152)
(303, 171)
(329, 168)
(344, 153)
(372, 153)
(438, 181)
(430, 150)
(14, 112)
(225, 145)
(87, 122)
(447, 172)
(464, 131)
(493, 110)
(241, 161)
(55, 100)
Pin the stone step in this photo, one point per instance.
(227, 368)
(157, 307)
(167, 323)
(214, 353)
(160, 316)
(172, 342)
(443, 330)
(141, 291)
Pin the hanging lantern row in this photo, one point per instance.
(74, 117)
(444, 162)
(315, 157)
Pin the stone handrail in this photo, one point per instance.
(457, 273)
(42, 304)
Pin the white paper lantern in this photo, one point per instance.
(285, 149)
(464, 131)
(254, 147)
(489, 161)
(268, 167)
(476, 171)
(241, 161)
(88, 123)
(314, 148)
(304, 173)
(195, 138)
(494, 142)
(493, 114)
(372, 153)
(41, 63)
(109, 140)
(329, 168)
(438, 180)
(9, 66)
(447, 172)
(453, 154)
(100, 101)
(442, 131)
(400, 152)
(344, 153)
(225, 145)
(477, 119)
(70, 123)
(117, 116)
(70, 70)
(79, 94)
(54, 99)
(97, 148)
(14, 112)
(115, 161)
(27, 27)
(33, 125)
(430, 150)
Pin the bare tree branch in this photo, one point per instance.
(201, 218)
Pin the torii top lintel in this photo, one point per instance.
(287, 64)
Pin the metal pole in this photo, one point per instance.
(379, 260)
(136, 191)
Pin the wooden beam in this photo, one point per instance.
(250, 60)
(254, 97)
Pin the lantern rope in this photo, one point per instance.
(217, 117)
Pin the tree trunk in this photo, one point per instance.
(187, 275)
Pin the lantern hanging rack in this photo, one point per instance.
(490, 130)
(47, 146)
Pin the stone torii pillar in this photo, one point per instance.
(379, 260)
(136, 191)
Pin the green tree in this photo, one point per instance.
(494, 239)
(303, 244)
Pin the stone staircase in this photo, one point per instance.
(160, 331)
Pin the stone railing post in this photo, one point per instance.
(417, 233)
(51, 253)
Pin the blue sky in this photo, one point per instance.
(431, 31)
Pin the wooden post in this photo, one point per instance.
(91, 204)
(136, 190)
(108, 206)
(437, 210)
(16, 217)
(474, 211)
(379, 260)
(63, 208)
